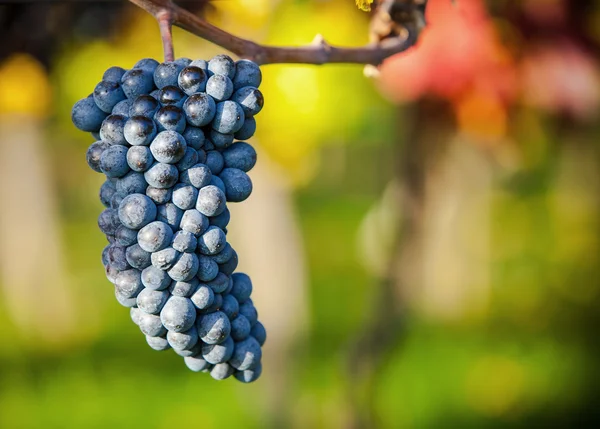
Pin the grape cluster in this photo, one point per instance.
(168, 140)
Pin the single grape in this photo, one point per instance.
(157, 343)
(213, 328)
(183, 340)
(170, 118)
(208, 146)
(148, 64)
(144, 105)
(122, 108)
(155, 236)
(124, 301)
(247, 309)
(221, 220)
(116, 199)
(190, 158)
(215, 306)
(222, 65)
(199, 109)
(230, 306)
(139, 158)
(246, 354)
(113, 74)
(168, 147)
(162, 175)
(220, 140)
(152, 301)
(171, 96)
(201, 156)
(111, 131)
(105, 255)
(218, 353)
(139, 130)
(151, 325)
(247, 130)
(238, 185)
(208, 269)
(165, 259)
(132, 183)
(219, 283)
(108, 221)
(221, 371)
(194, 222)
(185, 268)
(212, 241)
(216, 181)
(211, 201)
(107, 94)
(194, 137)
(240, 328)
(196, 363)
(214, 161)
(229, 267)
(184, 196)
(194, 351)
(224, 255)
(185, 289)
(242, 287)
(94, 153)
(229, 117)
(184, 242)
(178, 314)
(136, 211)
(258, 331)
(219, 87)
(203, 297)
(129, 283)
(249, 375)
(240, 155)
(117, 258)
(250, 99)
(170, 214)
(134, 312)
(192, 79)
(87, 116)
(198, 176)
(201, 64)
(113, 161)
(137, 257)
(136, 82)
(155, 279)
(166, 74)
(247, 73)
(159, 195)
(125, 236)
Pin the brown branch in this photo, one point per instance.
(318, 52)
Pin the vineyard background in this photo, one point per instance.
(424, 247)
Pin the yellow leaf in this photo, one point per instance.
(364, 5)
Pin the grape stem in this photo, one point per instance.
(395, 27)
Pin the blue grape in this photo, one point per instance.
(105, 255)
(221, 371)
(250, 99)
(203, 297)
(224, 255)
(185, 289)
(198, 176)
(178, 314)
(194, 222)
(242, 287)
(86, 116)
(166, 74)
(238, 185)
(108, 221)
(151, 325)
(116, 199)
(221, 220)
(122, 108)
(219, 87)
(221, 141)
(213, 328)
(219, 283)
(113, 161)
(168, 147)
(246, 354)
(212, 241)
(124, 301)
(227, 290)
(240, 155)
(129, 283)
(155, 279)
(162, 175)
(113, 74)
(222, 65)
(214, 161)
(196, 363)
(111, 274)
(183, 340)
(152, 301)
(229, 267)
(117, 258)
(112, 128)
(132, 183)
(148, 64)
(194, 351)
(216, 181)
(170, 214)
(144, 105)
(94, 153)
(157, 343)
(136, 82)
(194, 137)
(184, 196)
(171, 96)
(208, 146)
(185, 268)
(139, 158)
(240, 328)
(247, 309)
(192, 79)
(165, 259)
(215, 306)
(229, 117)
(247, 73)
(125, 236)
(199, 109)
(107, 94)
(155, 236)
(134, 312)
(218, 353)
(249, 375)
(208, 269)
(201, 156)
(247, 130)
(136, 211)
(211, 201)
(201, 64)
(154, 94)
(137, 257)
(230, 306)
(139, 130)
(159, 195)
(190, 158)
(184, 242)
(258, 331)
(170, 118)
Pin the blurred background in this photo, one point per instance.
(424, 246)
